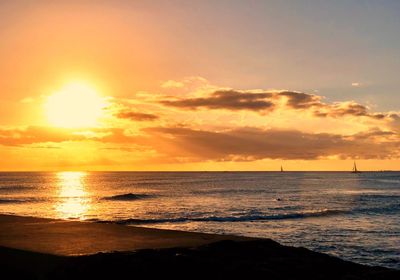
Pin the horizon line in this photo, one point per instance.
(285, 171)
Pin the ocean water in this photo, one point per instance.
(352, 216)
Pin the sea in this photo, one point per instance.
(353, 216)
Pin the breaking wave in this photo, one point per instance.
(7, 189)
(261, 217)
(18, 200)
(127, 197)
(244, 218)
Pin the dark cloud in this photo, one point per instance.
(395, 117)
(306, 101)
(394, 121)
(227, 99)
(268, 101)
(251, 144)
(136, 116)
(347, 109)
(376, 134)
(301, 100)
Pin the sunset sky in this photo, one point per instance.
(199, 85)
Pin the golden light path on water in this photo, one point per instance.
(74, 200)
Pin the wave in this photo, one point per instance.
(257, 216)
(228, 191)
(244, 218)
(17, 200)
(384, 197)
(127, 197)
(16, 188)
(391, 208)
(388, 181)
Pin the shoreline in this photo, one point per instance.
(49, 249)
(42, 235)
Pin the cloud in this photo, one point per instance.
(190, 82)
(301, 100)
(342, 109)
(246, 144)
(136, 116)
(376, 134)
(27, 100)
(40, 136)
(299, 126)
(36, 134)
(226, 99)
(394, 121)
(235, 144)
(312, 102)
(262, 101)
(350, 108)
(172, 84)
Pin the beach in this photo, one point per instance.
(37, 248)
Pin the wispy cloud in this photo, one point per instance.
(136, 116)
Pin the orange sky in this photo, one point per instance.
(172, 86)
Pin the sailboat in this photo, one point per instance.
(355, 170)
(281, 168)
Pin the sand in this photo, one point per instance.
(35, 248)
(71, 238)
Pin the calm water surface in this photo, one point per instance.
(353, 216)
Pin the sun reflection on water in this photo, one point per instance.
(73, 198)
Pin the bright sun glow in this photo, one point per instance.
(76, 105)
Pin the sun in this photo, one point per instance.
(75, 105)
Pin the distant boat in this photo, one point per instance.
(355, 170)
(281, 168)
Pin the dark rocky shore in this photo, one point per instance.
(37, 248)
(223, 259)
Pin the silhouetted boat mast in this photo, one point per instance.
(355, 170)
